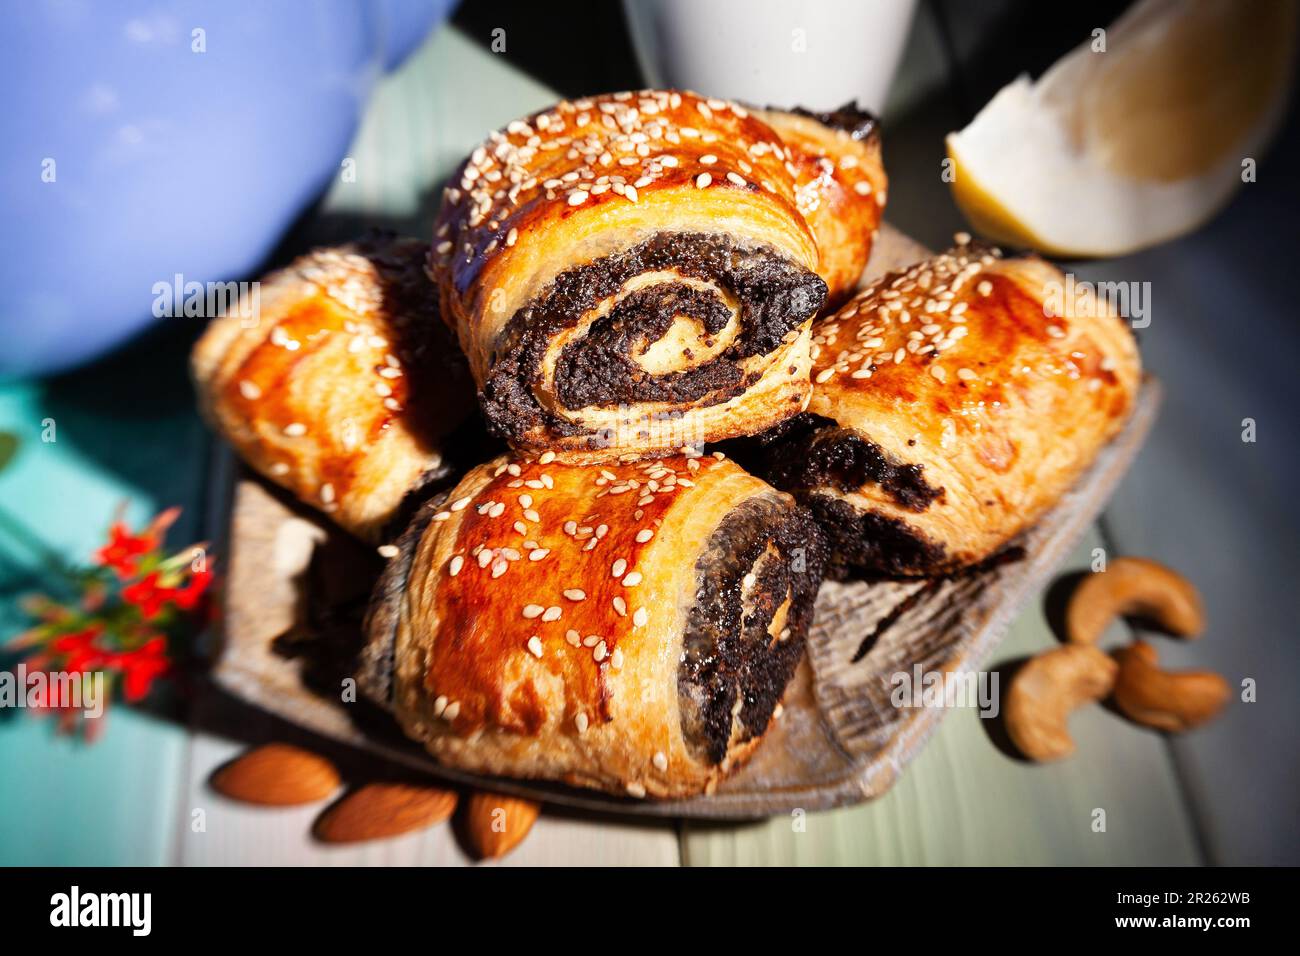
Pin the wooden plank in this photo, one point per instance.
(63, 802)
(1223, 511)
(966, 801)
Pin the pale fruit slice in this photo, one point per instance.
(1118, 150)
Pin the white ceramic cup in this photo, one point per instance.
(817, 54)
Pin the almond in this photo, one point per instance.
(277, 775)
(380, 810)
(496, 824)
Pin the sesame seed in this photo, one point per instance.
(636, 789)
(327, 493)
(616, 659)
(535, 646)
(965, 374)
(457, 563)
(388, 551)
(578, 197)
(938, 372)
(644, 535)
(640, 617)
(708, 159)
(249, 390)
(862, 188)
(984, 288)
(619, 567)
(599, 653)
(442, 516)
(538, 553)
(660, 761)
(295, 429)
(533, 610)
(452, 711)
(736, 179)
(573, 637)
(591, 640)
(575, 594)
(580, 721)
(620, 607)
(632, 580)
(552, 614)
(547, 457)
(702, 180)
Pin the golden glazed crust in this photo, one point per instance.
(630, 274)
(953, 408)
(344, 386)
(840, 189)
(546, 620)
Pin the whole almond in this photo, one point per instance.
(380, 810)
(277, 775)
(496, 824)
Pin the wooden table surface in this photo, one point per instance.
(1199, 499)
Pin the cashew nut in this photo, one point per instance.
(1133, 587)
(1167, 700)
(1047, 689)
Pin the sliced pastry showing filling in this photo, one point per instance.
(342, 385)
(629, 628)
(634, 274)
(953, 404)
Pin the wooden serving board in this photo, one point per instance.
(296, 587)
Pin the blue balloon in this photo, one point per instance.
(145, 140)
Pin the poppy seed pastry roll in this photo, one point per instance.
(953, 404)
(344, 386)
(631, 274)
(629, 628)
(840, 187)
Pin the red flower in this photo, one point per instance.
(148, 595)
(123, 549)
(141, 667)
(187, 597)
(80, 650)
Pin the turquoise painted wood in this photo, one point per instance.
(62, 801)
